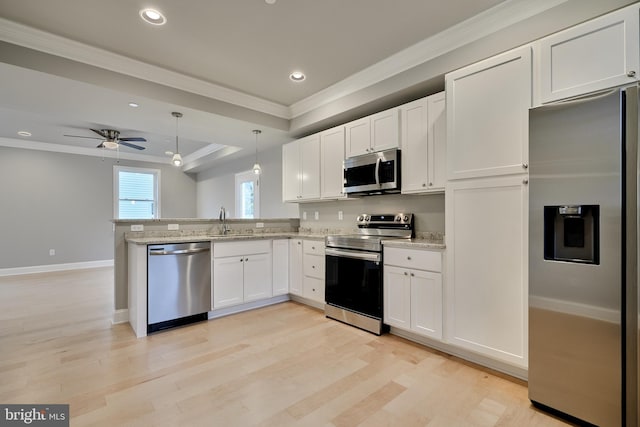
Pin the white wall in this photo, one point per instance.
(216, 187)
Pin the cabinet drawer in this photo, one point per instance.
(225, 249)
(313, 289)
(313, 247)
(313, 266)
(413, 258)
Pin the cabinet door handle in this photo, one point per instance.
(631, 73)
(525, 166)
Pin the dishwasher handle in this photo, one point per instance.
(178, 252)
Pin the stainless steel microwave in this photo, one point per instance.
(373, 173)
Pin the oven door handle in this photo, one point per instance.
(367, 256)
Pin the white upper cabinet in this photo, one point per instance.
(331, 158)
(380, 131)
(301, 169)
(423, 138)
(599, 54)
(488, 116)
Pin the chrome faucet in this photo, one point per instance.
(223, 218)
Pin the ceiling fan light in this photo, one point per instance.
(176, 159)
(111, 144)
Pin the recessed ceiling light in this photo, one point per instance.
(153, 17)
(133, 105)
(270, 1)
(297, 76)
(24, 133)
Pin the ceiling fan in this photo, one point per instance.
(111, 139)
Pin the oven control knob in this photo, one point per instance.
(367, 218)
(406, 218)
(398, 218)
(361, 218)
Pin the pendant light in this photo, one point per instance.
(177, 158)
(256, 166)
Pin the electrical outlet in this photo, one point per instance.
(259, 224)
(316, 215)
(173, 227)
(137, 227)
(52, 252)
(340, 216)
(304, 215)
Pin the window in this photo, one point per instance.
(136, 193)
(247, 195)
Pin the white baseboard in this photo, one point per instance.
(488, 362)
(54, 267)
(120, 316)
(307, 301)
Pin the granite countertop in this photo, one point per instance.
(159, 239)
(421, 241)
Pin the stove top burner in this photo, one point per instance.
(372, 230)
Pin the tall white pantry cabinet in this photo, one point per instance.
(486, 206)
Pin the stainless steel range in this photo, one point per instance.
(354, 269)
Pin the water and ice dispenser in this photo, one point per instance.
(571, 233)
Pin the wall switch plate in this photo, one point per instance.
(173, 227)
(304, 215)
(316, 215)
(52, 252)
(137, 227)
(259, 224)
(340, 216)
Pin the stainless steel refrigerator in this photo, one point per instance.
(583, 299)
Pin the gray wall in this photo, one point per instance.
(65, 202)
(216, 187)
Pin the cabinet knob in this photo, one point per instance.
(313, 247)
(246, 259)
(406, 274)
(241, 260)
(409, 258)
(525, 181)
(431, 184)
(313, 266)
(631, 73)
(412, 275)
(424, 185)
(525, 166)
(299, 243)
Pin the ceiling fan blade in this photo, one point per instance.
(78, 136)
(126, 144)
(101, 145)
(134, 139)
(100, 133)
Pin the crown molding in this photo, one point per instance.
(472, 29)
(32, 38)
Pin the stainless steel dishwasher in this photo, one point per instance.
(178, 284)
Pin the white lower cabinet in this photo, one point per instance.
(295, 267)
(313, 265)
(413, 293)
(487, 275)
(280, 272)
(241, 272)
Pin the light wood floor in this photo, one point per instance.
(277, 366)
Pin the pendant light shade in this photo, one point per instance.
(176, 160)
(256, 166)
